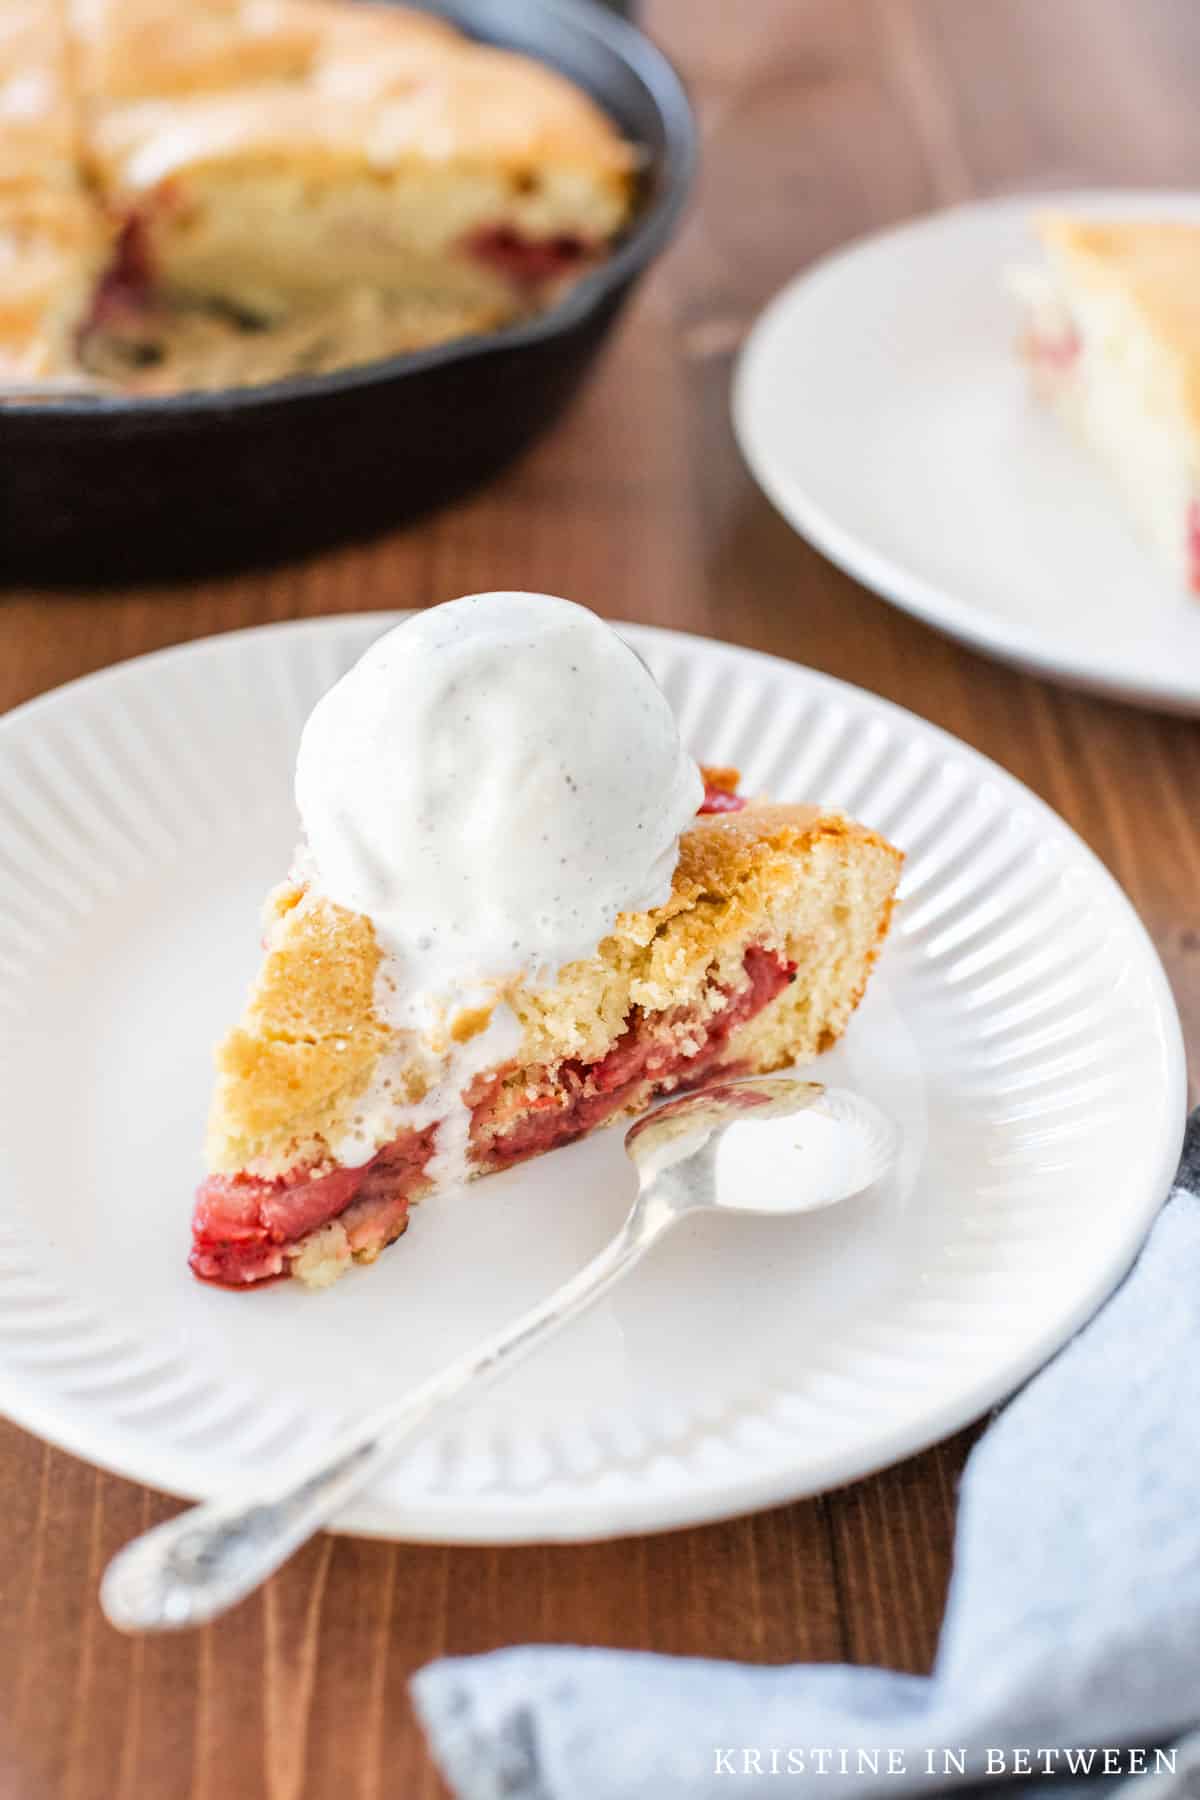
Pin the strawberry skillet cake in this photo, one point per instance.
(520, 911)
(207, 193)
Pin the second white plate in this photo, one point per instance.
(882, 408)
(1019, 1030)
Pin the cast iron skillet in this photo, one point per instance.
(118, 489)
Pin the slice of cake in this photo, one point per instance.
(1112, 338)
(552, 920)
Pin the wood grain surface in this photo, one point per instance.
(821, 119)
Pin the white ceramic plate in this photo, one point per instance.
(1019, 1030)
(882, 408)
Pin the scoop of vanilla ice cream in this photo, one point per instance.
(492, 784)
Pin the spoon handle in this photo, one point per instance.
(196, 1566)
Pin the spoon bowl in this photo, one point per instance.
(768, 1145)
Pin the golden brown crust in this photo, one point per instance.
(127, 48)
(309, 1037)
(1155, 265)
(325, 83)
(722, 851)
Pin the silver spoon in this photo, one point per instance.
(775, 1145)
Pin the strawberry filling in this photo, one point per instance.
(647, 1060)
(527, 262)
(721, 799)
(124, 289)
(244, 1225)
(1193, 546)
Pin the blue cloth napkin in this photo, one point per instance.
(1073, 1620)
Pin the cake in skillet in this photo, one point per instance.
(1112, 339)
(520, 912)
(290, 186)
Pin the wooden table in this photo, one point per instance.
(822, 119)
